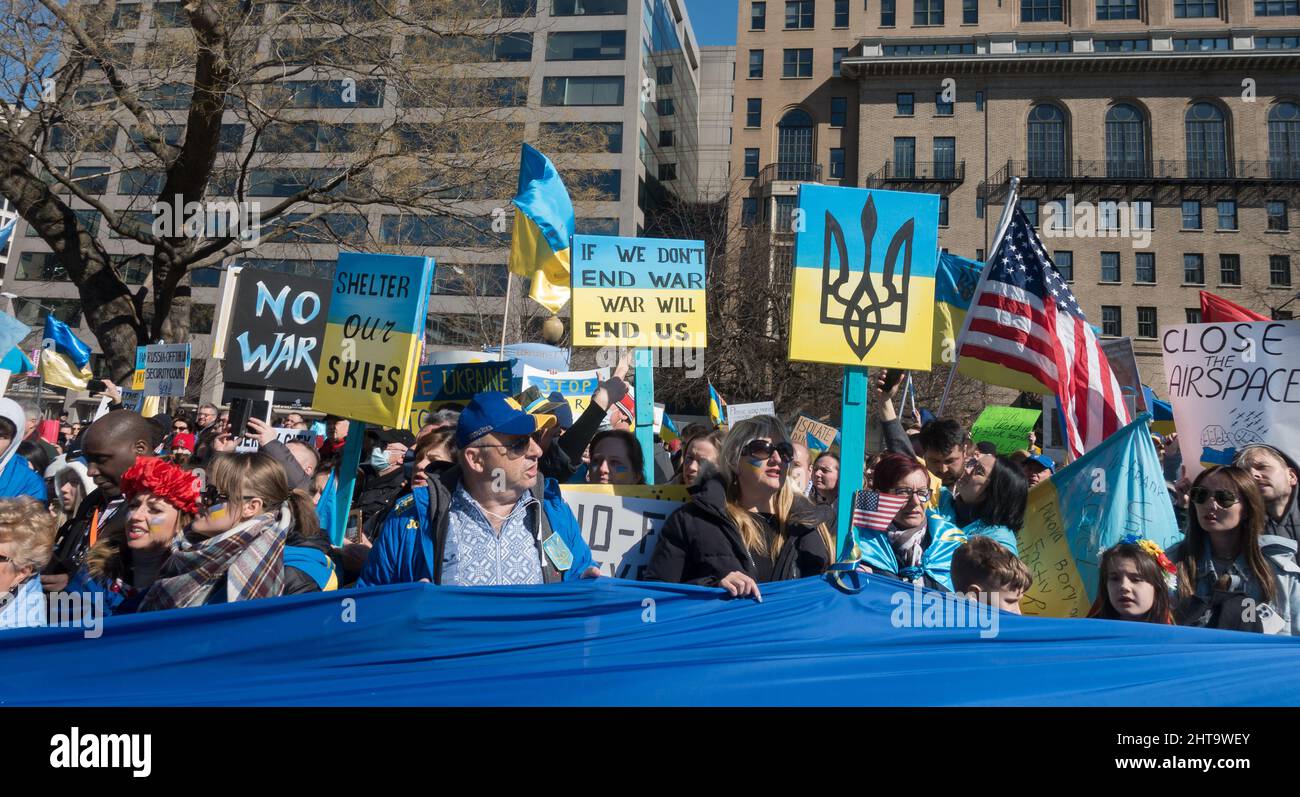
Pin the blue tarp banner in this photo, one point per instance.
(615, 642)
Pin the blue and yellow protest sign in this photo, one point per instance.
(372, 337)
(452, 386)
(864, 266)
(576, 386)
(1116, 489)
(638, 292)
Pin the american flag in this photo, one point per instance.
(1025, 318)
(875, 511)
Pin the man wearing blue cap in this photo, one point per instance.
(1038, 468)
(490, 520)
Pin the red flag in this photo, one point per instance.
(1217, 310)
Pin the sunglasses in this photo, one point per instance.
(765, 448)
(211, 496)
(518, 448)
(1223, 498)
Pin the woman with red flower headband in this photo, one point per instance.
(1135, 580)
(162, 500)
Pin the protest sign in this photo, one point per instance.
(1123, 363)
(373, 336)
(864, 265)
(1006, 427)
(1116, 489)
(283, 435)
(814, 434)
(575, 386)
(452, 386)
(1232, 385)
(4, 380)
(621, 522)
(161, 370)
(638, 292)
(275, 340)
(739, 412)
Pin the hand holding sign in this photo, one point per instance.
(613, 390)
(260, 430)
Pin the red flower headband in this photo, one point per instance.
(173, 484)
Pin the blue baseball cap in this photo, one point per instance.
(1044, 460)
(496, 412)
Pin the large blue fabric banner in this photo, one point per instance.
(614, 642)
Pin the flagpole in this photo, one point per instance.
(505, 316)
(1008, 210)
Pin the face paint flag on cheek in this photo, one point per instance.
(218, 512)
(157, 523)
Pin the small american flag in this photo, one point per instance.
(875, 511)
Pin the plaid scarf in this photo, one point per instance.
(251, 558)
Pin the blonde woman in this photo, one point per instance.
(746, 524)
(26, 544)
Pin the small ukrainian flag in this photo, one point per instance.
(539, 244)
(65, 359)
(717, 407)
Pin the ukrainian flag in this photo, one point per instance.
(1116, 489)
(668, 430)
(65, 360)
(717, 407)
(539, 244)
(954, 286)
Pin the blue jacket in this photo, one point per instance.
(119, 598)
(1002, 534)
(412, 538)
(18, 478)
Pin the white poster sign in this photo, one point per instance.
(739, 412)
(621, 523)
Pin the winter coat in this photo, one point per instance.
(16, 476)
(1199, 609)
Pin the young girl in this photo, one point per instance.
(1135, 579)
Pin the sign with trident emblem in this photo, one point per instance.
(864, 277)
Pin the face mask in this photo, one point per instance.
(379, 459)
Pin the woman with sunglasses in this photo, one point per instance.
(745, 524)
(1230, 574)
(162, 499)
(990, 498)
(236, 546)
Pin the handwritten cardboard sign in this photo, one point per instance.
(1006, 427)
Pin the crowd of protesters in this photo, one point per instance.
(168, 512)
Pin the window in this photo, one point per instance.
(905, 157)
(1191, 214)
(798, 14)
(927, 12)
(945, 158)
(1207, 141)
(1195, 9)
(754, 112)
(1277, 8)
(887, 13)
(1277, 217)
(839, 111)
(1110, 266)
(932, 48)
(667, 172)
(665, 138)
(979, 207)
(1126, 142)
(1117, 9)
(943, 211)
(586, 45)
(794, 146)
(1064, 261)
(970, 12)
(841, 13)
(797, 63)
(125, 16)
(1201, 44)
(91, 179)
(837, 57)
(751, 162)
(979, 101)
(1279, 271)
(1144, 267)
(756, 63)
(1110, 321)
(1227, 209)
(942, 107)
(1046, 141)
(1277, 42)
(1229, 269)
(1140, 213)
(576, 8)
(1030, 208)
(904, 104)
(582, 136)
(1284, 141)
(665, 106)
(582, 90)
(1041, 11)
(1044, 46)
(837, 163)
(326, 94)
(1146, 322)
(1108, 215)
(1193, 315)
(1121, 45)
(758, 16)
(748, 212)
(1194, 269)
(664, 75)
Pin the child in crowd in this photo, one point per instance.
(986, 571)
(1134, 581)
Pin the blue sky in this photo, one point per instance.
(714, 21)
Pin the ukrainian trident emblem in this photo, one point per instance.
(860, 309)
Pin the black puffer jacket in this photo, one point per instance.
(699, 544)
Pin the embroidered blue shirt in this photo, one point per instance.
(474, 555)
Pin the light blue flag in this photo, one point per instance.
(12, 331)
(5, 232)
(945, 538)
(325, 511)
